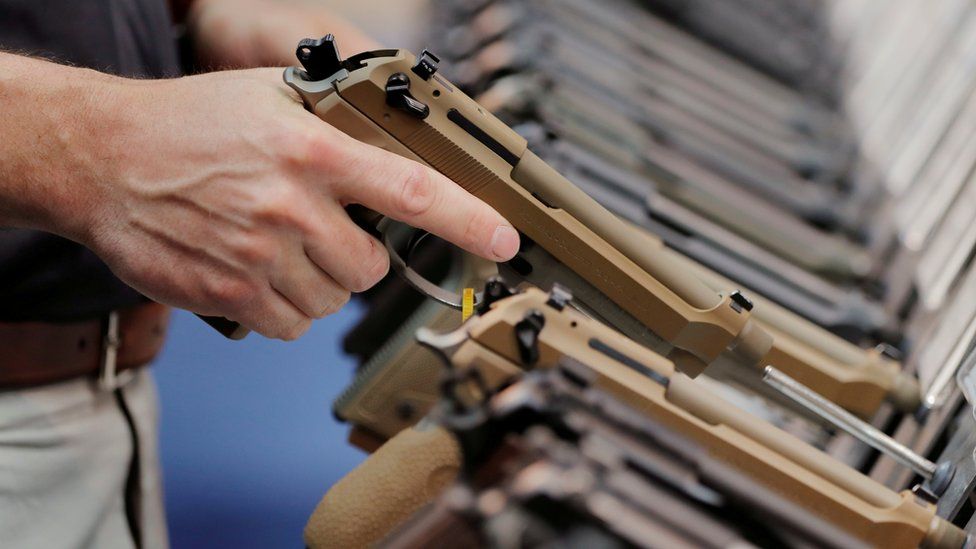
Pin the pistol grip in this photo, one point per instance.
(405, 474)
(227, 328)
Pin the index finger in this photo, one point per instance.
(421, 197)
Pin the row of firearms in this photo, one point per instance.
(793, 279)
(553, 429)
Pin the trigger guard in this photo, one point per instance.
(415, 279)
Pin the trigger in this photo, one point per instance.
(415, 279)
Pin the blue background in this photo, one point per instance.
(248, 441)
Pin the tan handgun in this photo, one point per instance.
(393, 100)
(536, 330)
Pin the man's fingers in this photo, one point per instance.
(353, 258)
(305, 285)
(421, 197)
(271, 314)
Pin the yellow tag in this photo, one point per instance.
(467, 303)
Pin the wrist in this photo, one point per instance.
(98, 131)
(55, 166)
(86, 168)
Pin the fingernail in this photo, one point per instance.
(504, 243)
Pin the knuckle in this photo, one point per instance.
(256, 251)
(298, 149)
(231, 293)
(323, 149)
(280, 206)
(417, 193)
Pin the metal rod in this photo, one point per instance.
(843, 419)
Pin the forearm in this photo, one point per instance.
(48, 165)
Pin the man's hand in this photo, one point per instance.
(219, 193)
(262, 33)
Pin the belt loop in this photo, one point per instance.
(109, 378)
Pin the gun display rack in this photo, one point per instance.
(813, 157)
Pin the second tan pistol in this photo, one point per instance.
(536, 330)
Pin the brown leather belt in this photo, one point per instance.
(38, 353)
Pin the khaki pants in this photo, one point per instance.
(65, 451)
